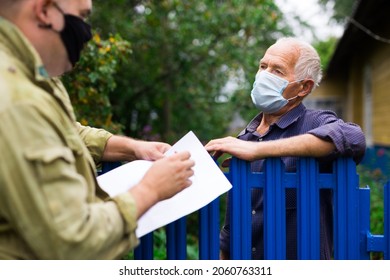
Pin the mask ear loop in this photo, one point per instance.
(298, 81)
(292, 98)
(45, 26)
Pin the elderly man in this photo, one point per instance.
(288, 72)
(51, 206)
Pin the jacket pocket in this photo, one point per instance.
(50, 163)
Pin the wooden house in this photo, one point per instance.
(356, 83)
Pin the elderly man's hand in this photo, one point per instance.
(241, 149)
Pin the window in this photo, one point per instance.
(325, 103)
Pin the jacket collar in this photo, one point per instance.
(13, 42)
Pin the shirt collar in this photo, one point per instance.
(287, 119)
(291, 116)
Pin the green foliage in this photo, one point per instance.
(376, 181)
(341, 8)
(91, 83)
(183, 54)
(160, 241)
(325, 50)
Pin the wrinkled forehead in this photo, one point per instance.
(284, 53)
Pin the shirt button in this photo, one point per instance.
(253, 249)
(253, 212)
(260, 139)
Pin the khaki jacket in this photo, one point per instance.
(51, 206)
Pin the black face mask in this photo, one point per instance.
(75, 35)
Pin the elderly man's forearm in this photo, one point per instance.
(305, 145)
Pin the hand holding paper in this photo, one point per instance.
(165, 178)
(208, 183)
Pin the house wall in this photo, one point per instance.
(370, 71)
(354, 98)
(329, 88)
(360, 71)
(350, 89)
(380, 59)
(373, 69)
(329, 95)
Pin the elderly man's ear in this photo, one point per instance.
(306, 87)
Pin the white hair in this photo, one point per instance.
(308, 64)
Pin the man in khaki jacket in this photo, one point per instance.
(51, 206)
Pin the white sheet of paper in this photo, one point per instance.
(208, 183)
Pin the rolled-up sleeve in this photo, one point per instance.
(127, 207)
(347, 137)
(95, 139)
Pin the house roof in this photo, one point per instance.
(373, 15)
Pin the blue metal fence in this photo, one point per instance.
(351, 208)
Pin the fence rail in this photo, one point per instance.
(351, 214)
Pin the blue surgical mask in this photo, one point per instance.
(267, 92)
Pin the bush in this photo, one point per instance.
(93, 79)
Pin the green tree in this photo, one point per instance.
(183, 55)
(341, 8)
(325, 50)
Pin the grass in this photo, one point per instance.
(376, 180)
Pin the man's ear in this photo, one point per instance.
(40, 9)
(306, 87)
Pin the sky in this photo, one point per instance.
(312, 13)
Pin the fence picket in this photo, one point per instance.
(351, 204)
(386, 217)
(308, 200)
